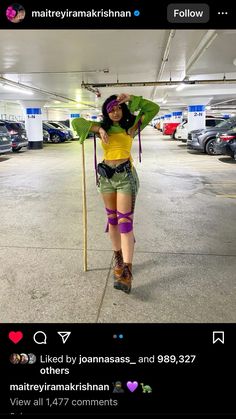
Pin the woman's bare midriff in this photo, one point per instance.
(116, 162)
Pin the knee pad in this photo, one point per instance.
(125, 226)
(111, 220)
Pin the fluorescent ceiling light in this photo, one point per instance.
(17, 89)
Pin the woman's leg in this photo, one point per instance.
(110, 203)
(124, 205)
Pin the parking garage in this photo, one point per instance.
(185, 230)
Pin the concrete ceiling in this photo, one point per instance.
(56, 62)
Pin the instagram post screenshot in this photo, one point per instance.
(118, 209)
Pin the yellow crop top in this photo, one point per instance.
(118, 147)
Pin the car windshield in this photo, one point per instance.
(58, 125)
(54, 124)
(226, 123)
(47, 125)
(3, 129)
(15, 125)
(63, 126)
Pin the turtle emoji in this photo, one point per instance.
(146, 388)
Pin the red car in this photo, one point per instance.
(169, 127)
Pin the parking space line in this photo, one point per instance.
(232, 196)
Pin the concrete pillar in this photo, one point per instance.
(162, 122)
(71, 117)
(196, 117)
(34, 128)
(168, 117)
(177, 116)
(34, 123)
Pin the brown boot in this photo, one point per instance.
(118, 264)
(124, 282)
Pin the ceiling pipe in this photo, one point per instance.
(166, 54)
(91, 89)
(224, 101)
(205, 42)
(223, 108)
(164, 58)
(158, 83)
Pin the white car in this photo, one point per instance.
(181, 132)
(154, 122)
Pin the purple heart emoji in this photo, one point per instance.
(132, 385)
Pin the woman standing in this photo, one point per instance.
(118, 180)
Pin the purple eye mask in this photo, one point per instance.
(111, 105)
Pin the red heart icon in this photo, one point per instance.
(15, 336)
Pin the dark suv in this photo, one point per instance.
(5, 139)
(204, 139)
(18, 134)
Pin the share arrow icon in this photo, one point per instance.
(64, 336)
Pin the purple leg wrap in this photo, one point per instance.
(112, 220)
(125, 226)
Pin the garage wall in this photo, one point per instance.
(55, 114)
(13, 111)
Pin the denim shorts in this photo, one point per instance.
(120, 182)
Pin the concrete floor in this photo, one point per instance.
(185, 229)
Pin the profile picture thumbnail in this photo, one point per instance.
(24, 358)
(15, 13)
(15, 358)
(32, 358)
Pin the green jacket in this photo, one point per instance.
(145, 107)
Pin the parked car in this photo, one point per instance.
(226, 143)
(182, 132)
(18, 134)
(60, 125)
(66, 123)
(5, 139)
(46, 136)
(154, 122)
(56, 135)
(204, 140)
(169, 127)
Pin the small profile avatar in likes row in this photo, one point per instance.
(22, 358)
